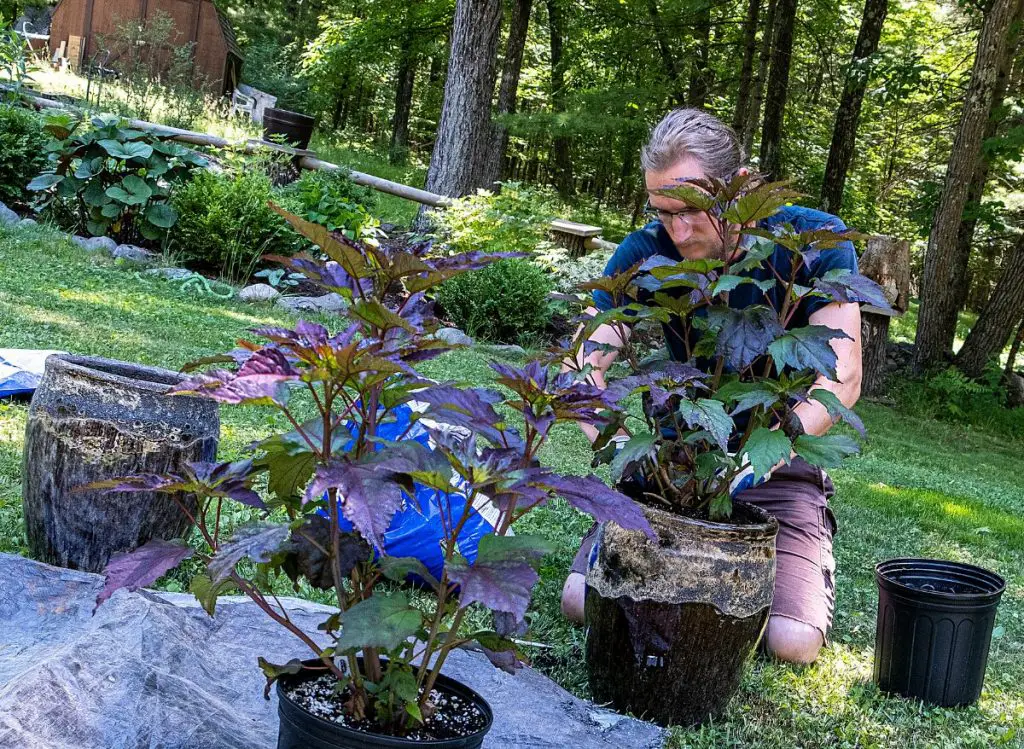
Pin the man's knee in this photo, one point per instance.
(791, 641)
(573, 595)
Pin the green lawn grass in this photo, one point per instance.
(921, 487)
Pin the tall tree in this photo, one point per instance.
(458, 162)
(844, 134)
(1000, 318)
(515, 46)
(739, 116)
(764, 60)
(399, 149)
(936, 323)
(700, 67)
(976, 190)
(668, 60)
(778, 90)
(562, 156)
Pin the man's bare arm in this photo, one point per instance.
(600, 360)
(845, 317)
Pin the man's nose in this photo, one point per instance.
(679, 229)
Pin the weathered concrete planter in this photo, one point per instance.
(670, 624)
(93, 419)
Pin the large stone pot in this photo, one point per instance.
(93, 419)
(671, 623)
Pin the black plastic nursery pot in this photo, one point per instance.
(934, 630)
(300, 729)
(296, 128)
(671, 623)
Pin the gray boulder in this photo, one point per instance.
(7, 216)
(27, 222)
(134, 253)
(259, 292)
(454, 336)
(152, 669)
(171, 274)
(324, 304)
(96, 244)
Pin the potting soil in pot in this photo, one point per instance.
(453, 718)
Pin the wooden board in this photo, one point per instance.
(578, 230)
(75, 52)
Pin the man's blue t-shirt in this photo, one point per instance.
(654, 240)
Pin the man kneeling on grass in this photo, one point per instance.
(690, 144)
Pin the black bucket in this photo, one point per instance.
(296, 128)
(300, 729)
(935, 622)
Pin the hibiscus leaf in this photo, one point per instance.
(708, 414)
(142, 566)
(827, 451)
(746, 335)
(765, 448)
(380, 621)
(837, 410)
(257, 542)
(807, 348)
(503, 575)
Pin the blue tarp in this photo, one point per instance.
(21, 370)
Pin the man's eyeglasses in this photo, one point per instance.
(667, 217)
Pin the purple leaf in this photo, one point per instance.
(368, 493)
(807, 348)
(471, 408)
(746, 334)
(503, 575)
(230, 480)
(141, 567)
(843, 285)
(257, 542)
(591, 495)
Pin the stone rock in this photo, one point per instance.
(326, 303)
(96, 244)
(259, 292)
(28, 222)
(152, 669)
(1015, 389)
(7, 216)
(134, 253)
(171, 274)
(507, 350)
(453, 336)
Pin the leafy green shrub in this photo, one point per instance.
(332, 199)
(225, 223)
(950, 395)
(514, 220)
(22, 151)
(111, 179)
(506, 302)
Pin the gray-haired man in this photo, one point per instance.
(691, 144)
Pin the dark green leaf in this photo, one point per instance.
(637, 447)
(710, 415)
(380, 621)
(837, 410)
(807, 348)
(162, 215)
(827, 451)
(765, 448)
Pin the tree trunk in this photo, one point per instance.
(739, 116)
(936, 323)
(700, 70)
(562, 157)
(667, 58)
(518, 27)
(874, 342)
(458, 163)
(844, 135)
(1018, 340)
(976, 190)
(778, 90)
(399, 150)
(764, 58)
(1001, 316)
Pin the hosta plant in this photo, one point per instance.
(337, 389)
(727, 409)
(111, 179)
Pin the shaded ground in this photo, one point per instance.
(921, 488)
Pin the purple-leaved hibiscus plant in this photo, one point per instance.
(335, 465)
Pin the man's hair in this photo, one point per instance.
(697, 134)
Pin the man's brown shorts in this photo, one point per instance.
(797, 495)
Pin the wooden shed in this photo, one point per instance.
(198, 22)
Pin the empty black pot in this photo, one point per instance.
(935, 622)
(296, 128)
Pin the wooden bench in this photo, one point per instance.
(579, 239)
